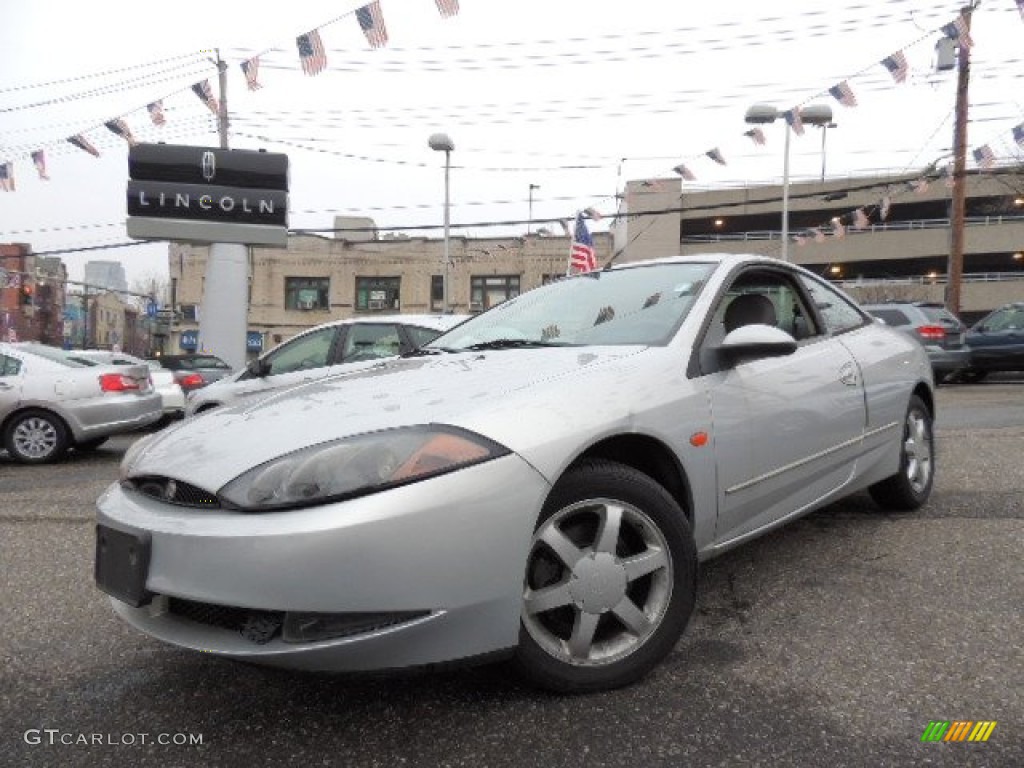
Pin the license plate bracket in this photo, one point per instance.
(122, 564)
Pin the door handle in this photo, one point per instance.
(848, 374)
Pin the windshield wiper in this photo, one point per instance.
(511, 344)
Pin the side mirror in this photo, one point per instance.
(756, 341)
(258, 367)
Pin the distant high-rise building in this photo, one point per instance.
(108, 274)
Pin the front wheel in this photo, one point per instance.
(610, 581)
(910, 487)
(36, 437)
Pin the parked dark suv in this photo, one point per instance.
(938, 329)
(996, 342)
(195, 370)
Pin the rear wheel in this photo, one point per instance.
(610, 581)
(36, 437)
(912, 485)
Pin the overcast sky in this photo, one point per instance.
(575, 96)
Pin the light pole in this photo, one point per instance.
(529, 215)
(824, 132)
(441, 142)
(815, 114)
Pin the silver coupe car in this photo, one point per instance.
(539, 482)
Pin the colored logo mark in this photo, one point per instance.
(958, 730)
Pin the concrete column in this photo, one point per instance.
(223, 315)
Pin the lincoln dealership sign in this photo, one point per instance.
(207, 195)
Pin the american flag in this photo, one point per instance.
(793, 118)
(860, 219)
(843, 93)
(1018, 130)
(311, 53)
(371, 21)
(39, 160)
(958, 31)
(756, 135)
(819, 236)
(582, 257)
(685, 172)
(251, 70)
(83, 143)
(205, 94)
(838, 228)
(984, 156)
(897, 66)
(156, 112)
(883, 208)
(120, 127)
(716, 155)
(451, 7)
(7, 177)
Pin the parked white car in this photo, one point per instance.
(538, 482)
(49, 403)
(172, 396)
(325, 350)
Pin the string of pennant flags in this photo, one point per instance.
(312, 58)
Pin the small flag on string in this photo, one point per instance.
(156, 112)
(582, 256)
(451, 7)
(792, 117)
(685, 172)
(897, 66)
(919, 186)
(756, 135)
(838, 228)
(7, 177)
(819, 236)
(120, 127)
(39, 160)
(843, 94)
(948, 179)
(1018, 131)
(251, 70)
(860, 219)
(311, 53)
(957, 30)
(371, 21)
(593, 214)
(800, 240)
(716, 155)
(984, 156)
(83, 143)
(205, 94)
(883, 208)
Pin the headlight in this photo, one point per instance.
(356, 466)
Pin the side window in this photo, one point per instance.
(420, 336)
(312, 350)
(366, 341)
(837, 312)
(9, 366)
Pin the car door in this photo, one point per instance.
(997, 343)
(302, 359)
(10, 384)
(787, 429)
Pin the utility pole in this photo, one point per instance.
(955, 270)
(222, 116)
(529, 215)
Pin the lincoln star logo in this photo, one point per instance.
(209, 166)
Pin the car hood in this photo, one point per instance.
(485, 392)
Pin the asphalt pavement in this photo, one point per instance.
(834, 641)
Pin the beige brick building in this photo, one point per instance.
(317, 279)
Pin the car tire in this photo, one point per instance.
(909, 488)
(36, 437)
(603, 604)
(90, 445)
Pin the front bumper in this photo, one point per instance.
(449, 552)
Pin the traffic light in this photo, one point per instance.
(27, 293)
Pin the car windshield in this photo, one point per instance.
(55, 355)
(1004, 319)
(632, 305)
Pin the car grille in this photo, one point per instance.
(259, 627)
(173, 491)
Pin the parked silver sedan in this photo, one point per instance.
(49, 403)
(172, 397)
(539, 482)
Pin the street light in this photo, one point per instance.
(815, 114)
(441, 142)
(529, 215)
(824, 132)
